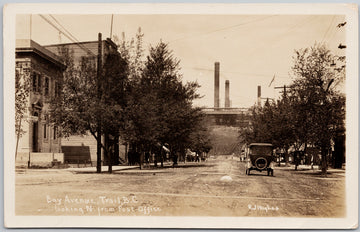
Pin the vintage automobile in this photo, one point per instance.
(260, 157)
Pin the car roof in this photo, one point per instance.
(261, 144)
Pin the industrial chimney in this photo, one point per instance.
(259, 95)
(227, 94)
(216, 85)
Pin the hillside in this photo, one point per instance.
(224, 140)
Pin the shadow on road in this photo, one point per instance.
(135, 170)
(315, 173)
(260, 174)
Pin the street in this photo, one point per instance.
(217, 187)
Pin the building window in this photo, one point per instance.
(57, 89)
(34, 82)
(46, 87)
(46, 127)
(39, 84)
(55, 132)
(45, 131)
(54, 88)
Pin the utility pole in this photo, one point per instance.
(98, 83)
(285, 101)
(30, 26)
(268, 98)
(283, 87)
(259, 96)
(111, 27)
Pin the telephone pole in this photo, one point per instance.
(283, 87)
(98, 129)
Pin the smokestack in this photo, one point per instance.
(259, 95)
(216, 85)
(227, 94)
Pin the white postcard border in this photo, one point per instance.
(351, 12)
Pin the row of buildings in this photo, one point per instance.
(41, 144)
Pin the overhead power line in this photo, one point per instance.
(329, 27)
(333, 32)
(66, 33)
(240, 24)
(234, 72)
(224, 28)
(278, 38)
(69, 33)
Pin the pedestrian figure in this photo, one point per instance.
(297, 159)
(197, 159)
(175, 158)
(147, 159)
(312, 162)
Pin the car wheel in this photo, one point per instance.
(261, 163)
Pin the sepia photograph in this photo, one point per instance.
(181, 115)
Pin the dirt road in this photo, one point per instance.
(188, 190)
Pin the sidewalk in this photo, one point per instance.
(307, 168)
(103, 169)
(150, 168)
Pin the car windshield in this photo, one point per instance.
(261, 150)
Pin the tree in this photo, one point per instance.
(261, 125)
(176, 113)
(271, 123)
(78, 109)
(318, 105)
(22, 93)
(200, 139)
(132, 51)
(113, 103)
(311, 112)
(283, 128)
(159, 106)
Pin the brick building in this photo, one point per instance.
(81, 149)
(44, 70)
(85, 50)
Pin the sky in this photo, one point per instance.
(251, 49)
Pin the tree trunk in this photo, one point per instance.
(98, 152)
(339, 151)
(108, 151)
(126, 154)
(155, 160)
(98, 83)
(175, 158)
(286, 157)
(280, 159)
(110, 157)
(162, 156)
(141, 159)
(296, 160)
(110, 168)
(116, 156)
(324, 152)
(17, 138)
